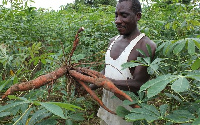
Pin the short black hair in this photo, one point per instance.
(136, 6)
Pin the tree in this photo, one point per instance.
(96, 2)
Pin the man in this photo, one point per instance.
(122, 49)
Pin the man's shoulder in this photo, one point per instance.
(146, 41)
(113, 38)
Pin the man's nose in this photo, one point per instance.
(117, 20)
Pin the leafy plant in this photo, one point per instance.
(35, 41)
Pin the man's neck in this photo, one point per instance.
(132, 35)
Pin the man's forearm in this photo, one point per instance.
(128, 85)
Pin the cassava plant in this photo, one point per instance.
(172, 94)
(34, 41)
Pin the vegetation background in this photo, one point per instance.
(35, 41)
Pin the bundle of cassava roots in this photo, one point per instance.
(80, 74)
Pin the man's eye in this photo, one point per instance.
(124, 15)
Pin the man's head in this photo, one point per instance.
(127, 13)
(136, 6)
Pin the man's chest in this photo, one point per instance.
(120, 47)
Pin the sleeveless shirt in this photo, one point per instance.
(114, 70)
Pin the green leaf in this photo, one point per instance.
(157, 88)
(151, 108)
(197, 44)
(4, 84)
(122, 112)
(31, 52)
(53, 108)
(196, 64)
(191, 47)
(147, 60)
(38, 45)
(170, 47)
(160, 47)
(26, 116)
(66, 106)
(142, 113)
(141, 52)
(180, 85)
(43, 61)
(167, 46)
(154, 81)
(39, 115)
(180, 116)
(12, 105)
(69, 122)
(3, 114)
(196, 121)
(153, 67)
(194, 75)
(13, 97)
(149, 50)
(173, 96)
(163, 110)
(179, 47)
(36, 60)
(130, 64)
(49, 121)
(77, 116)
(157, 85)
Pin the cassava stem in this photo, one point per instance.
(75, 43)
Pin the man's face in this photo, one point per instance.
(125, 18)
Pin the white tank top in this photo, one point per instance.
(113, 67)
(113, 70)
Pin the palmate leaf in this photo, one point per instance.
(66, 106)
(169, 49)
(163, 109)
(2, 114)
(122, 112)
(130, 64)
(196, 121)
(180, 116)
(38, 116)
(173, 96)
(158, 49)
(180, 85)
(157, 85)
(197, 44)
(196, 64)
(149, 49)
(49, 121)
(26, 116)
(152, 109)
(141, 52)
(194, 75)
(12, 105)
(53, 109)
(147, 112)
(77, 116)
(153, 67)
(191, 47)
(179, 47)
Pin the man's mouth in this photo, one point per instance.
(119, 27)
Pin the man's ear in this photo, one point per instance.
(139, 15)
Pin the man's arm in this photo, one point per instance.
(140, 76)
(139, 73)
